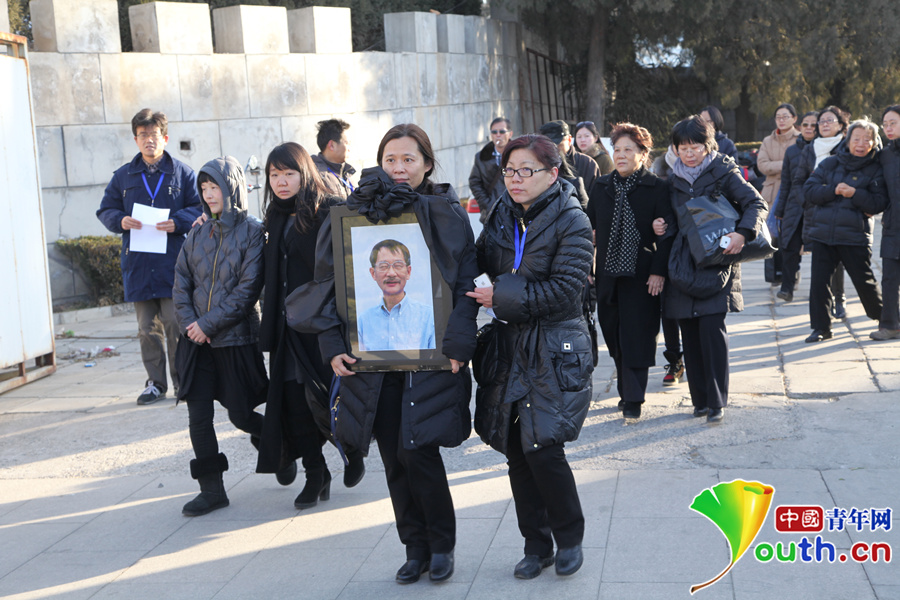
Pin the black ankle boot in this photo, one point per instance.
(356, 470)
(208, 473)
(318, 487)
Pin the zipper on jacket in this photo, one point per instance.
(215, 263)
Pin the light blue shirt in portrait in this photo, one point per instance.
(408, 326)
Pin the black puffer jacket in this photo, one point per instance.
(890, 220)
(840, 221)
(485, 180)
(544, 360)
(789, 207)
(435, 404)
(721, 177)
(219, 273)
(726, 146)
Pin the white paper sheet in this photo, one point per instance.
(148, 238)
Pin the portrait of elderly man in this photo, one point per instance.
(398, 322)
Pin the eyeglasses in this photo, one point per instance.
(148, 136)
(524, 172)
(807, 124)
(782, 117)
(499, 131)
(827, 121)
(583, 124)
(384, 266)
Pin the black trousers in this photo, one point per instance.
(545, 494)
(790, 266)
(890, 287)
(302, 436)
(672, 339)
(417, 481)
(706, 359)
(857, 261)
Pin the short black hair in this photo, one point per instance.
(148, 118)
(842, 116)
(694, 130)
(204, 177)
(788, 107)
(501, 119)
(330, 130)
(895, 108)
(392, 246)
(716, 115)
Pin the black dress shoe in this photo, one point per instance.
(621, 405)
(411, 570)
(818, 335)
(716, 415)
(632, 410)
(786, 296)
(699, 412)
(441, 566)
(569, 560)
(838, 310)
(532, 565)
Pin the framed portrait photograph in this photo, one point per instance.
(390, 293)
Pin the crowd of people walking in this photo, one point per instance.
(570, 230)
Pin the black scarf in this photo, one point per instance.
(624, 237)
(278, 213)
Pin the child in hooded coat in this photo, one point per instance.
(218, 280)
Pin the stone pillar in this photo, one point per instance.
(451, 33)
(251, 30)
(82, 26)
(171, 28)
(410, 32)
(476, 35)
(320, 30)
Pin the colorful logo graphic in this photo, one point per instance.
(799, 519)
(738, 508)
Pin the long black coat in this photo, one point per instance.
(722, 176)
(805, 166)
(435, 404)
(544, 359)
(638, 310)
(840, 221)
(790, 205)
(890, 220)
(485, 180)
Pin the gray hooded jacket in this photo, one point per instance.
(219, 273)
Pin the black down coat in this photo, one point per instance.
(840, 221)
(890, 220)
(544, 359)
(721, 177)
(219, 272)
(435, 404)
(485, 180)
(789, 207)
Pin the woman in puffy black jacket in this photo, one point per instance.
(701, 171)
(410, 413)
(534, 395)
(889, 326)
(845, 191)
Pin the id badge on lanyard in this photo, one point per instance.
(158, 186)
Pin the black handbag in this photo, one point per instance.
(705, 219)
(484, 362)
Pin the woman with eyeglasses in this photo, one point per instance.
(771, 152)
(631, 263)
(536, 247)
(789, 209)
(587, 139)
(889, 326)
(845, 191)
(411, 414)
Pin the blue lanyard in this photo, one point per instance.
(520, 248)
(158, 185)
(346, 182)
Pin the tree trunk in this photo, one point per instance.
(596, 79)
(744, 119)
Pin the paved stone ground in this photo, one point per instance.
(91, 485)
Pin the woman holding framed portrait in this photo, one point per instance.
(411, 412)
(536, 246)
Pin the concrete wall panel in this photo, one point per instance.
(71, 212)
(51, 157)
(65, 280)
(303, 131)
(462, 131)
(133, 81)
(406, 66)
(479, 77)
(451, 33)
(476, 34)
(459, 79)
(494, 37)
(410, 32)
(93, 152)
(213, 87)
(427, 118)
(277, 85)
(243, 137)
(82, 26)
(375, 82)
(330, 79)
(320, 30)
(446, 170)
(171, 28)
(195, 142)
(251, 30)
(428, 77)
(66, 88)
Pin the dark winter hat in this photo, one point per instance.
(555, 130)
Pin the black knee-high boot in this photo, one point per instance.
(208, 472)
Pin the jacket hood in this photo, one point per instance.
(852, 162)
(226, 171)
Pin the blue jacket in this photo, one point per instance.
(145, 275)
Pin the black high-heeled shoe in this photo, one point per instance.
(318, 487)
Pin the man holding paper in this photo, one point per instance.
(152, 202)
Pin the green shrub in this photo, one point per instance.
(98, 259)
